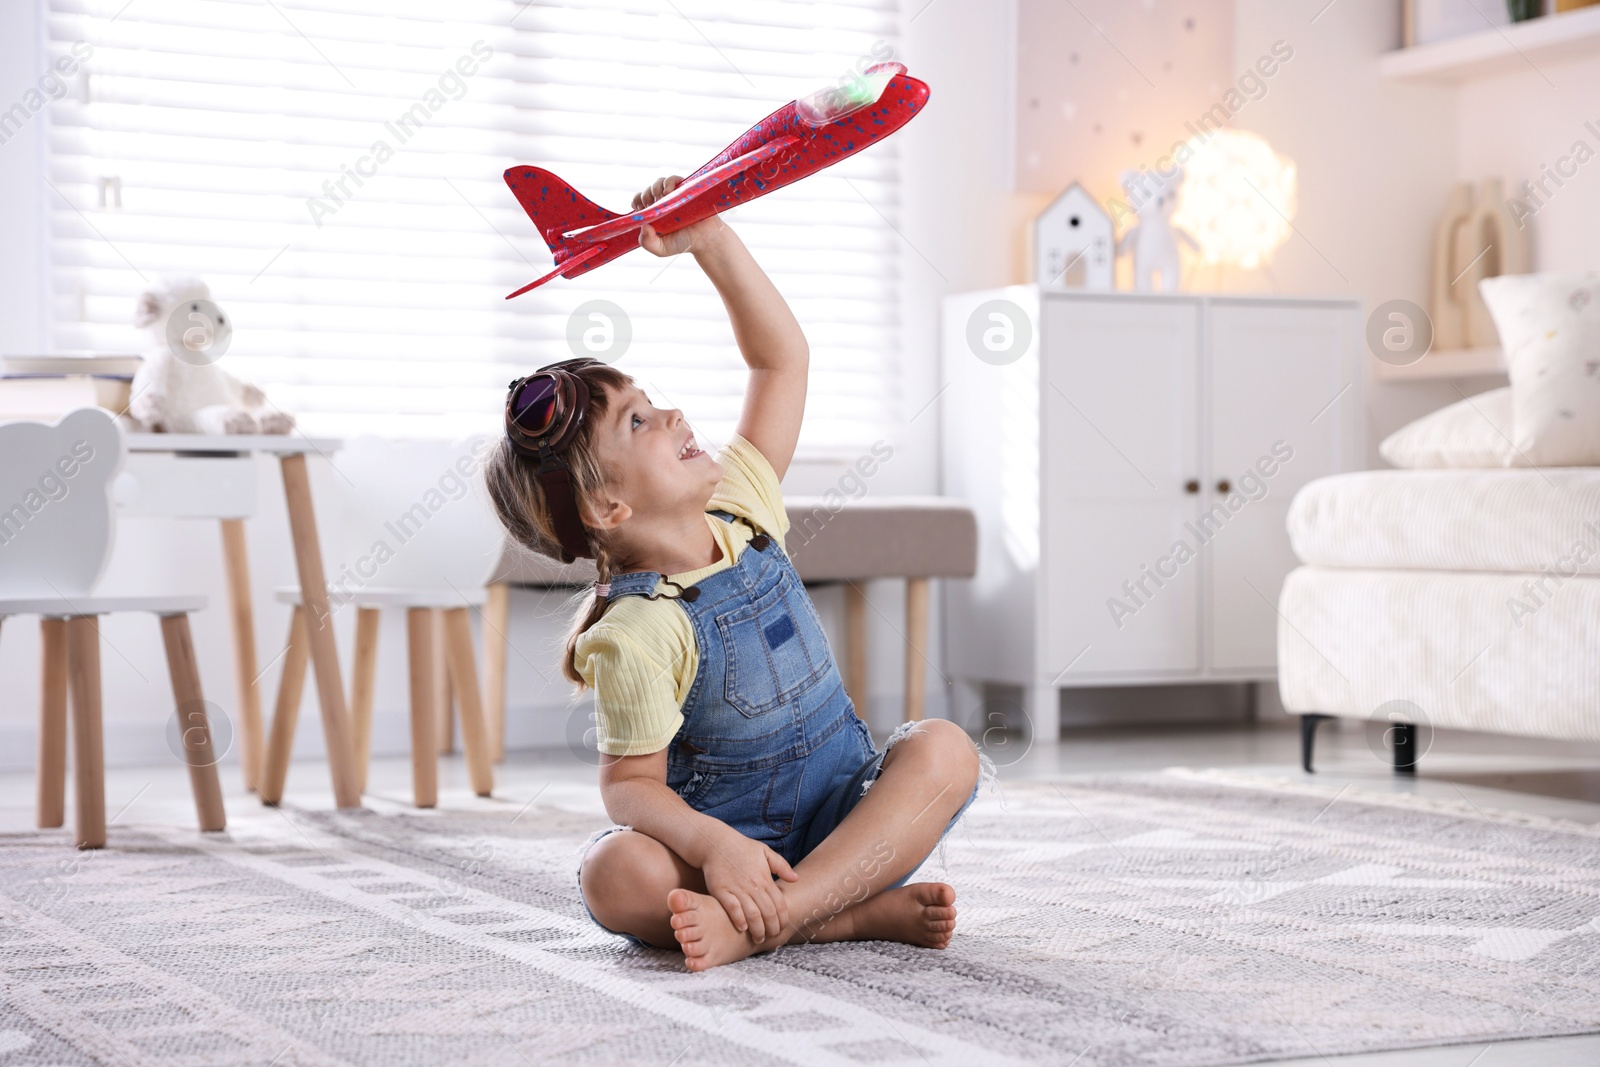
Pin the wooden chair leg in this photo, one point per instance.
(424, 716)
(88, 747)
(195, 726)
(496, 617)
(444, 732)
(855, 642)
(916, 646)
(464, 680)
(365, 670)
(291, 686)
(52, 798)
(245, 671)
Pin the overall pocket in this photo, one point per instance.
(774, 649)
(690, 784)
(782, 802)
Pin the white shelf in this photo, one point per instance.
(1448, 363)
(1521, 46)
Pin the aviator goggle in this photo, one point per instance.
(544, 412)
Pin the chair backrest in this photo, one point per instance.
(416, 515)
(55, 503)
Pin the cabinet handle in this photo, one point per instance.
(1224, 488)
(1191, 486)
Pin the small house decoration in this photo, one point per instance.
(1074, 243)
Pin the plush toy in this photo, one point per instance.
(1154, 240)
(180, 388)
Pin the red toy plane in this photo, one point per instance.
(793, 142)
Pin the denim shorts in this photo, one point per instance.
(829, 782)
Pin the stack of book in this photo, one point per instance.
(44, 388)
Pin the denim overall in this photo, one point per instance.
(770, 743)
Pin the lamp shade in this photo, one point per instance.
(1237, 197)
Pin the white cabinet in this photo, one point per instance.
(1132, 458)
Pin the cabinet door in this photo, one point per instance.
(1119, 411)
(1281, 405)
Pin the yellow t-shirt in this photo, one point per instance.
(641, 657)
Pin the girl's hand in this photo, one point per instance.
(694, 237)
(738, 874)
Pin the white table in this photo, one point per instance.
(214, 478)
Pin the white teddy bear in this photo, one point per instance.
(1154, 241)
(179, 388)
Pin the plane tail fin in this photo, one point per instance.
(555, 207)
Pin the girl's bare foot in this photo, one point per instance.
(922, 914)
(704, 931)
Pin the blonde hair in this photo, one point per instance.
(520, 502)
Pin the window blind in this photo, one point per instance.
(332, 169)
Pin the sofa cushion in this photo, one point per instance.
(829, 540)
(1461, 520)
(1549, 326)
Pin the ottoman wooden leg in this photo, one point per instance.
(424, 716)
(916, 647)
(855, 642)
(195, 727)
(88, 748)
(52, 785)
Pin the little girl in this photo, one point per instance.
(732, 759)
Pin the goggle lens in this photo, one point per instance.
(534, 406)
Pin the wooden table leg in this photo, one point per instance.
(424, 717)
(291, 684)
(319, 628)
(464, 680)
(88, 747)
(916, 646)
(496, 617)
(855, 642)
(52, 785)
(363, 672)
(194, 724)
(245, 671)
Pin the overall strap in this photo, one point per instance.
(759, 538)
(638, 583)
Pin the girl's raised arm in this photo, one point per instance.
(769, 337)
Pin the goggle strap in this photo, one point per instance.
(562, 497)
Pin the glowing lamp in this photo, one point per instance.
(1237, 197)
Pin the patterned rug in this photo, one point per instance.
(1176, 918)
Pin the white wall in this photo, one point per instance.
(1374, 159)
(1513, 125)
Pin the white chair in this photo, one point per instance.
(55, 539)
(417, 533)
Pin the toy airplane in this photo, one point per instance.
(795, 141)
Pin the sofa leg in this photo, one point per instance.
(1308, 737)
(1403, 735)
